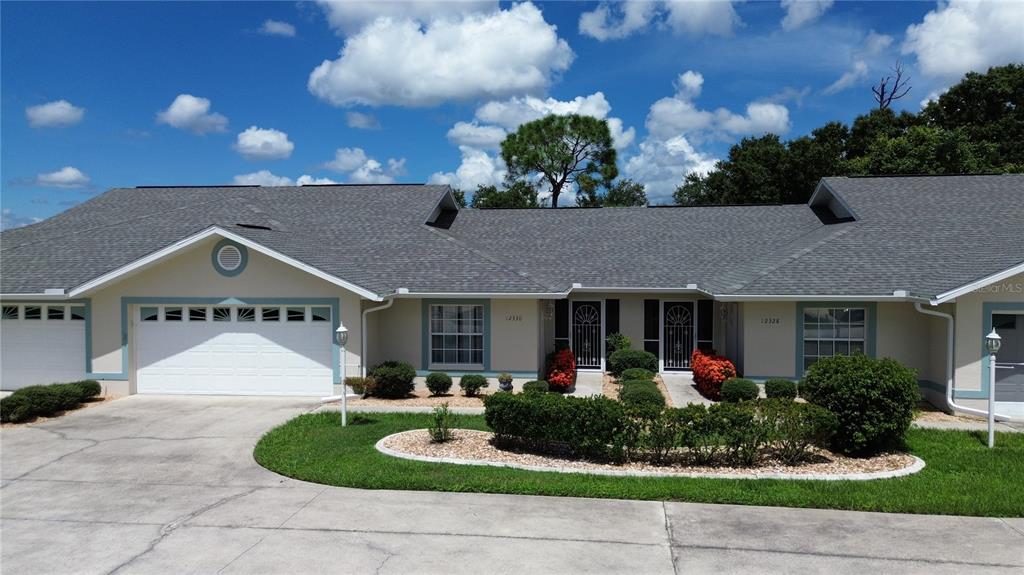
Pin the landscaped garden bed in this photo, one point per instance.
(962, 476)
(471, 447)
(37, 403)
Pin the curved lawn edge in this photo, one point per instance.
(915, 467)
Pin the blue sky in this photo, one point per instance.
(102, 95)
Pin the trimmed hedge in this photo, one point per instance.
(624, 359)
(873, 400)
(361, 385)
(472, 383)
(393, 379)
(550, 422)
(797, 426)
(737, 389)
(780, 389)
(535, 386)
(439, 383)
(642, 395)
(636, 373)
(45, 400)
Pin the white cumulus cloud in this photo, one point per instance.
(398, 61)
(268, 178)
(263, 144)
(478, 168)
(962, 36)
(362, 169)
(475, 135)
(661, 165)
(66, 177)
(277, 28)
(261, 178)
(57, 114)
(800, 12)
(361, 121)
(191, 113)
(616, 20)
(349, 16)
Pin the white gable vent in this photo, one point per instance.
(229, 258)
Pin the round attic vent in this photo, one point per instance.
(229, 258)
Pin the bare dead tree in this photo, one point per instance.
(891, 87)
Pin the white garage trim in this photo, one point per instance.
(233, 349)
(157, 256)
(44, 342)
(334, 303)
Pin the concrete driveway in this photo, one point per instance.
(168, 485)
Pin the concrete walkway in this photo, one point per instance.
(152, 484)
(681, 389)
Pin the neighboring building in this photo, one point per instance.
(238, 290)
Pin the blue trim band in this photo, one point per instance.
(334, 303)
(425, 330)
(242, 250)
(872, 326)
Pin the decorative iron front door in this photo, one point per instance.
(587, 337)
(678, 341)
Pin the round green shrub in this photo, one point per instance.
(393, 379)
(624, 359)
(738, 389)
(439, 383)
(780, 389)
(68, 395)
(87, 389)
(617, 341)
(42, 399)
(536, 386)
(872, 399)
(472, 383)
(636, 373)
(15, 409)
(643, 396)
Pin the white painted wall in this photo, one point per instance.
(769, 348)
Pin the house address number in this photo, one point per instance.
(771, 321)
(513, 317)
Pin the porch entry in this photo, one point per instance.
(587, 335)
(679, 335)
(1010, 359)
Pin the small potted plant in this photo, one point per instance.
(505, 382)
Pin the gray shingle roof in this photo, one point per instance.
(926, 235)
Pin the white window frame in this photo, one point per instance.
(431, 333)
(863, 340)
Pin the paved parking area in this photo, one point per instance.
(168, 485)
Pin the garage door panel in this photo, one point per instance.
(252, 358)
(37, 351)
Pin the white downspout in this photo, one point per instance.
(363, 341)
(950, 347)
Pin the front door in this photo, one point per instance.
(1010, 359)
(677, 319)
(587, 335)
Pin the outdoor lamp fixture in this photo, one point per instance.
(992, 343)
(341, 334)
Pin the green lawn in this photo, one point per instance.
(962, 476)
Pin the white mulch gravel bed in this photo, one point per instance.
(422, 398)
(474, 448)
(610, 388)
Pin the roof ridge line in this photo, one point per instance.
(795, 255)
(488, 257)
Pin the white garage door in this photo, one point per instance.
(41, 344)
(234, 350)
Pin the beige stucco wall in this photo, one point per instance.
(970, 327)
(905, 335)
(191, 274)
(768, 345)
(397, 332)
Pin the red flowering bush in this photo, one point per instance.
(561, 370)
(709, 371)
